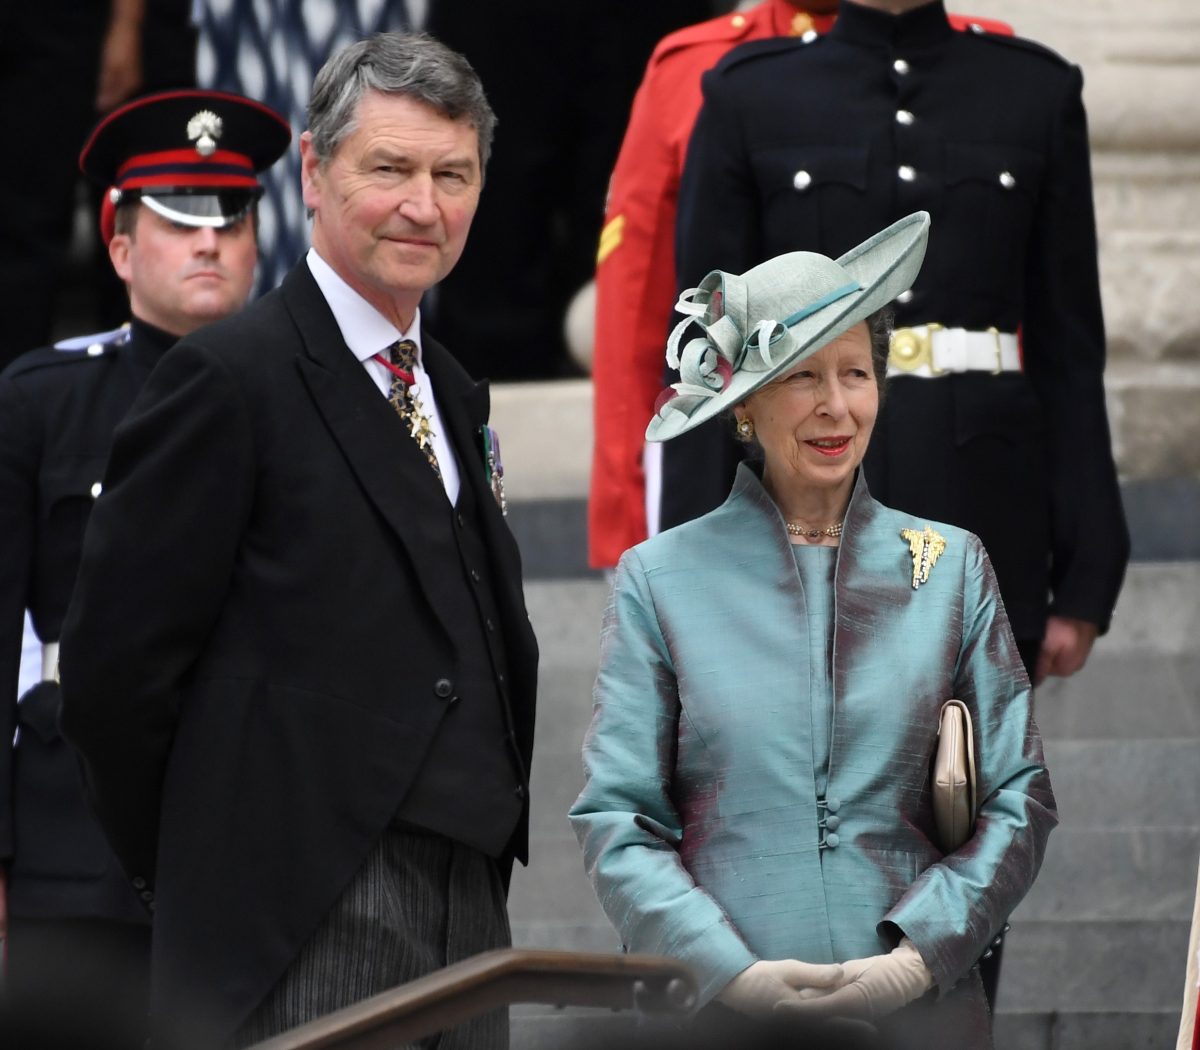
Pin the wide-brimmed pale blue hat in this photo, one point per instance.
(761, 323)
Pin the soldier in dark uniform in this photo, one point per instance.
(180, 227)
(995, 420)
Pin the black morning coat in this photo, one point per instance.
(1023, 460)
(58, 409)
(253, 683)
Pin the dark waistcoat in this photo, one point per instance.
(471, 785)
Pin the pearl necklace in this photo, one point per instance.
(796, 529)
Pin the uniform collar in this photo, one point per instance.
(921, 27)
(148, 343)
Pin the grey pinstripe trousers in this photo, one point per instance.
(419, 902)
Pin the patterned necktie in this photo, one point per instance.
(403, 398)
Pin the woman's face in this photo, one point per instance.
(814, 422)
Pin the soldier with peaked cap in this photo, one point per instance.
(180, 227)
(635, 264)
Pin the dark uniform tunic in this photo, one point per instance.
(58, 410)
(817, 146)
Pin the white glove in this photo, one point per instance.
(768, 983)
(871, 988)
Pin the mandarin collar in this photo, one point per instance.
(923, 26)
(148, 343)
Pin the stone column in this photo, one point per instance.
(1141, 66)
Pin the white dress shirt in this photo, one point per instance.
(367, 333)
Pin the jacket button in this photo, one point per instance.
(832, 841)
(95, 350)
(96, 489)
(801, 180)
(147, 896)
(901, 67)
(443, 687)
(458, 519)
(489, 625)
(520, 792)
(906, 172)
(833, 823)
(905, 296)
(833, 804)
(988, 954)
(904, 116)
(1007, 180)
(475, 575)
(139, 883)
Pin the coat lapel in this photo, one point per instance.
(387, 462)
(464, 406)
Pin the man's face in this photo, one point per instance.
(182, 277)
(393, 205)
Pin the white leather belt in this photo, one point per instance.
(50, 662)
(929, 350)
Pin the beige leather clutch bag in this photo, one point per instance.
(954, 776)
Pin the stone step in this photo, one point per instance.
(556, 889)
(1123, 695)
(539, 1028)
(1129, 784)
(1100, 875)
(1124, 1030)
(1093, 967)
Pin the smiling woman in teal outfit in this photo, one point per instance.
(757, 800)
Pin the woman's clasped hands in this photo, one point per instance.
(870, 988)
(863, 989)
(764, 985)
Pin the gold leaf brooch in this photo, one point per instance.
(926, 546)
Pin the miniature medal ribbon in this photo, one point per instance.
(926, 546)
(494, 466)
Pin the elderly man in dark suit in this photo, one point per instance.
(298, 665)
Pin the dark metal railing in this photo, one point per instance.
(492, 980)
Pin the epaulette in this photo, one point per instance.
(728, 28)
(975, 24)
(68, 351)
(95, 345)
(1023, 44)
(760, 48)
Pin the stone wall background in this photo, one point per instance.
(1141, 66)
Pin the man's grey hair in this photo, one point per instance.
(410, 64)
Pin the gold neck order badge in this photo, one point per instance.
(926, 546)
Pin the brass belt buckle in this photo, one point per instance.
(911, 349)
(995, 334)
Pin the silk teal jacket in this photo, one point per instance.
(705, 831)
